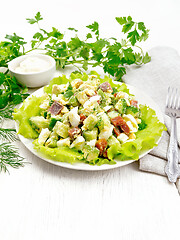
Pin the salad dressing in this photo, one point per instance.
(32, 64)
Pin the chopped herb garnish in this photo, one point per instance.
(142, 125)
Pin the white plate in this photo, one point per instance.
(142, 99)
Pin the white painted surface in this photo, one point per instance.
(42, 201)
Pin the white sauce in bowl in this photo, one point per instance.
(32, 64)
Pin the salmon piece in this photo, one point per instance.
(125, 128)
(105, 154)
(134, 103)
(55, 108)
(105, 86)
(101, 144)
(73, 132)
(117, 121)
(82, 118)
(120, 122)
(117, 131)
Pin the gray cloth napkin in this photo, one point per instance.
(154, 78)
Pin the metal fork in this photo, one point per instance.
(173, 110)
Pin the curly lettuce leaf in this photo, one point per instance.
(58, 80)
(145, 139)
(29, 108)
(63, 80)
(61, 154)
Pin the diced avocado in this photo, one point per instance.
(56, 89)
(105, 119)
(65, 118)
(90, 153)
(51, 142)
(61, 129)
(90, 122)
(52, 123)
(39, 122)
(121, 106)
(73, 101)
(90, 135)
(82, 97)
(103, 97)
(108, 98)
(113, 114)
(100, 124)
(112, 141)
(78, 143)
(134, 111)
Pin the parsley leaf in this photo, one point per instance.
(142, 125)
(36, 19)
(94, 28)
(68, 93)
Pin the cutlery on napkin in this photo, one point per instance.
(154, 79)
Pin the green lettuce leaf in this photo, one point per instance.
(58, 80)
(29, 108)
(145, 139)
(61, 154)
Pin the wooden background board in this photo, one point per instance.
(42, 201)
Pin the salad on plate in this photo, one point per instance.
(88, 119)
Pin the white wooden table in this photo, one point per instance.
(43, 201)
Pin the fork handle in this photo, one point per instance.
(172, 169)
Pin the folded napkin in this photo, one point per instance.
(154, 78)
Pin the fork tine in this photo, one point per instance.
(178, 102)
(174, 103)
(168, 97)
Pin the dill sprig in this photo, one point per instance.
(8, 134)
(11, 94)
(9, 156)
(6, 112)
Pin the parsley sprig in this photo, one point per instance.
(11, 94)
(111, 54)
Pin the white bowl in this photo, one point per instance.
(33, 79)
